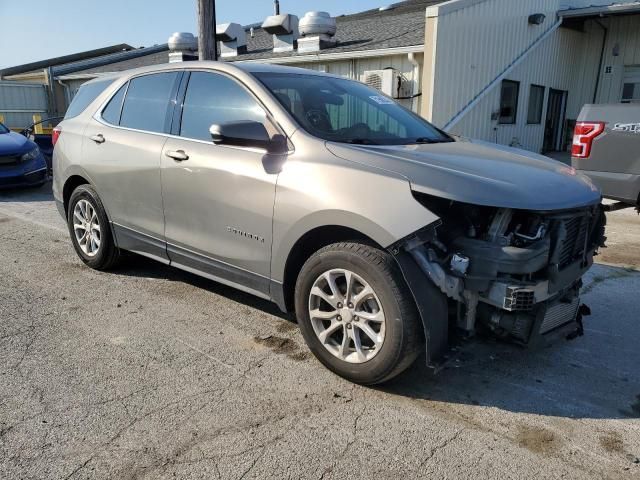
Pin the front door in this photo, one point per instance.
(218, 200)
(556, 107)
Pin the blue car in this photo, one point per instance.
(21, 161)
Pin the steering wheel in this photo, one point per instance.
(319, 119)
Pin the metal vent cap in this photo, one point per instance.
(317, 23)
(183, 42)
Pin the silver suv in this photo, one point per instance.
(384, 235)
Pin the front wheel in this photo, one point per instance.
(356, 314)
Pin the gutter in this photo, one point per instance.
(319, 57)
(509, 68)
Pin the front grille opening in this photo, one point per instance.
(519, 299)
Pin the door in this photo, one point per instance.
(121, 152)
(631, 85)
(218, 200)
(556, 106)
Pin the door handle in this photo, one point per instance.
(177, 155)
(97, 138)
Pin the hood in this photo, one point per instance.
(480, 173)
(13, 143)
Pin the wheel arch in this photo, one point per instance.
(309, 243)
(70, 184)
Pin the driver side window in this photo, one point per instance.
(213, 98)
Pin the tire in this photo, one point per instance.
(400, 334)
(106, 255)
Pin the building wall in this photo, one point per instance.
(624, 32)
(476, 40)
(20, 101)
(356, 68)
(565, 61)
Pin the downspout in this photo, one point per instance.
(67, 94)
(517, 61)
(52, 100)
(604, 45)
(416, 78)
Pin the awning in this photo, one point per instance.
(602, 10)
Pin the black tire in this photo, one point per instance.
(404, 337)
(108, 254)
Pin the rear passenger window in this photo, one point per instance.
(147, 104)
(212, 98)
(87, 94)
(111, 114)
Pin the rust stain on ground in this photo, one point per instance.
(282, 346)
(537, 439)
(612, 442)
(285, 326)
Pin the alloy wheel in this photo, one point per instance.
(86, 227)
(347, 316)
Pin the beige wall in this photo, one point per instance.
(474, 41)
(625, 33)
(356, 68)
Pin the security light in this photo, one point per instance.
(537, 18)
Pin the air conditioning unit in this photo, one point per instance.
(389, 81)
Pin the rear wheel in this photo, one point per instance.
(356, 314)
(90, 229)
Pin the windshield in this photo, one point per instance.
(347, 111)
(3, 129)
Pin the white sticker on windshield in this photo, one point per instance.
(381, 100)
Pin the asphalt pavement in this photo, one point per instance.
(150, 372)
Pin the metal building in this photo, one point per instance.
(517, 72)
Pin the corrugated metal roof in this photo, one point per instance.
(52, 62)
(615, 8)
(109, 59)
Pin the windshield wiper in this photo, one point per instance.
(425, 140)
(362, 141)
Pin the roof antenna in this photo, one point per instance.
(276, 5)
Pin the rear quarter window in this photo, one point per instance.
(148, 104)
(87, 94)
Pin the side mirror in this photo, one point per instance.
(247, 133)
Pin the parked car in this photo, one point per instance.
(606, 147)
(43, 140)
(21, 162)
(382, 233)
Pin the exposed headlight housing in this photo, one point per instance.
(30, 155)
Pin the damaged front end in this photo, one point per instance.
(516, 273)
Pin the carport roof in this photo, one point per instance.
(601, 10)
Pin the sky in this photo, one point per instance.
(41, 29)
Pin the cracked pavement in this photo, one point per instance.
(150, 372)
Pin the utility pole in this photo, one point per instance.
(207, 48)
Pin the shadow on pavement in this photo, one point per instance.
(595, 376)
(29, 194)
(142, 267)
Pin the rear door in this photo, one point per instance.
(121, 151)
(218, 200)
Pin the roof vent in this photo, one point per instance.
(233, 39)
(317, 30)
(183, 46)
(284, 29)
